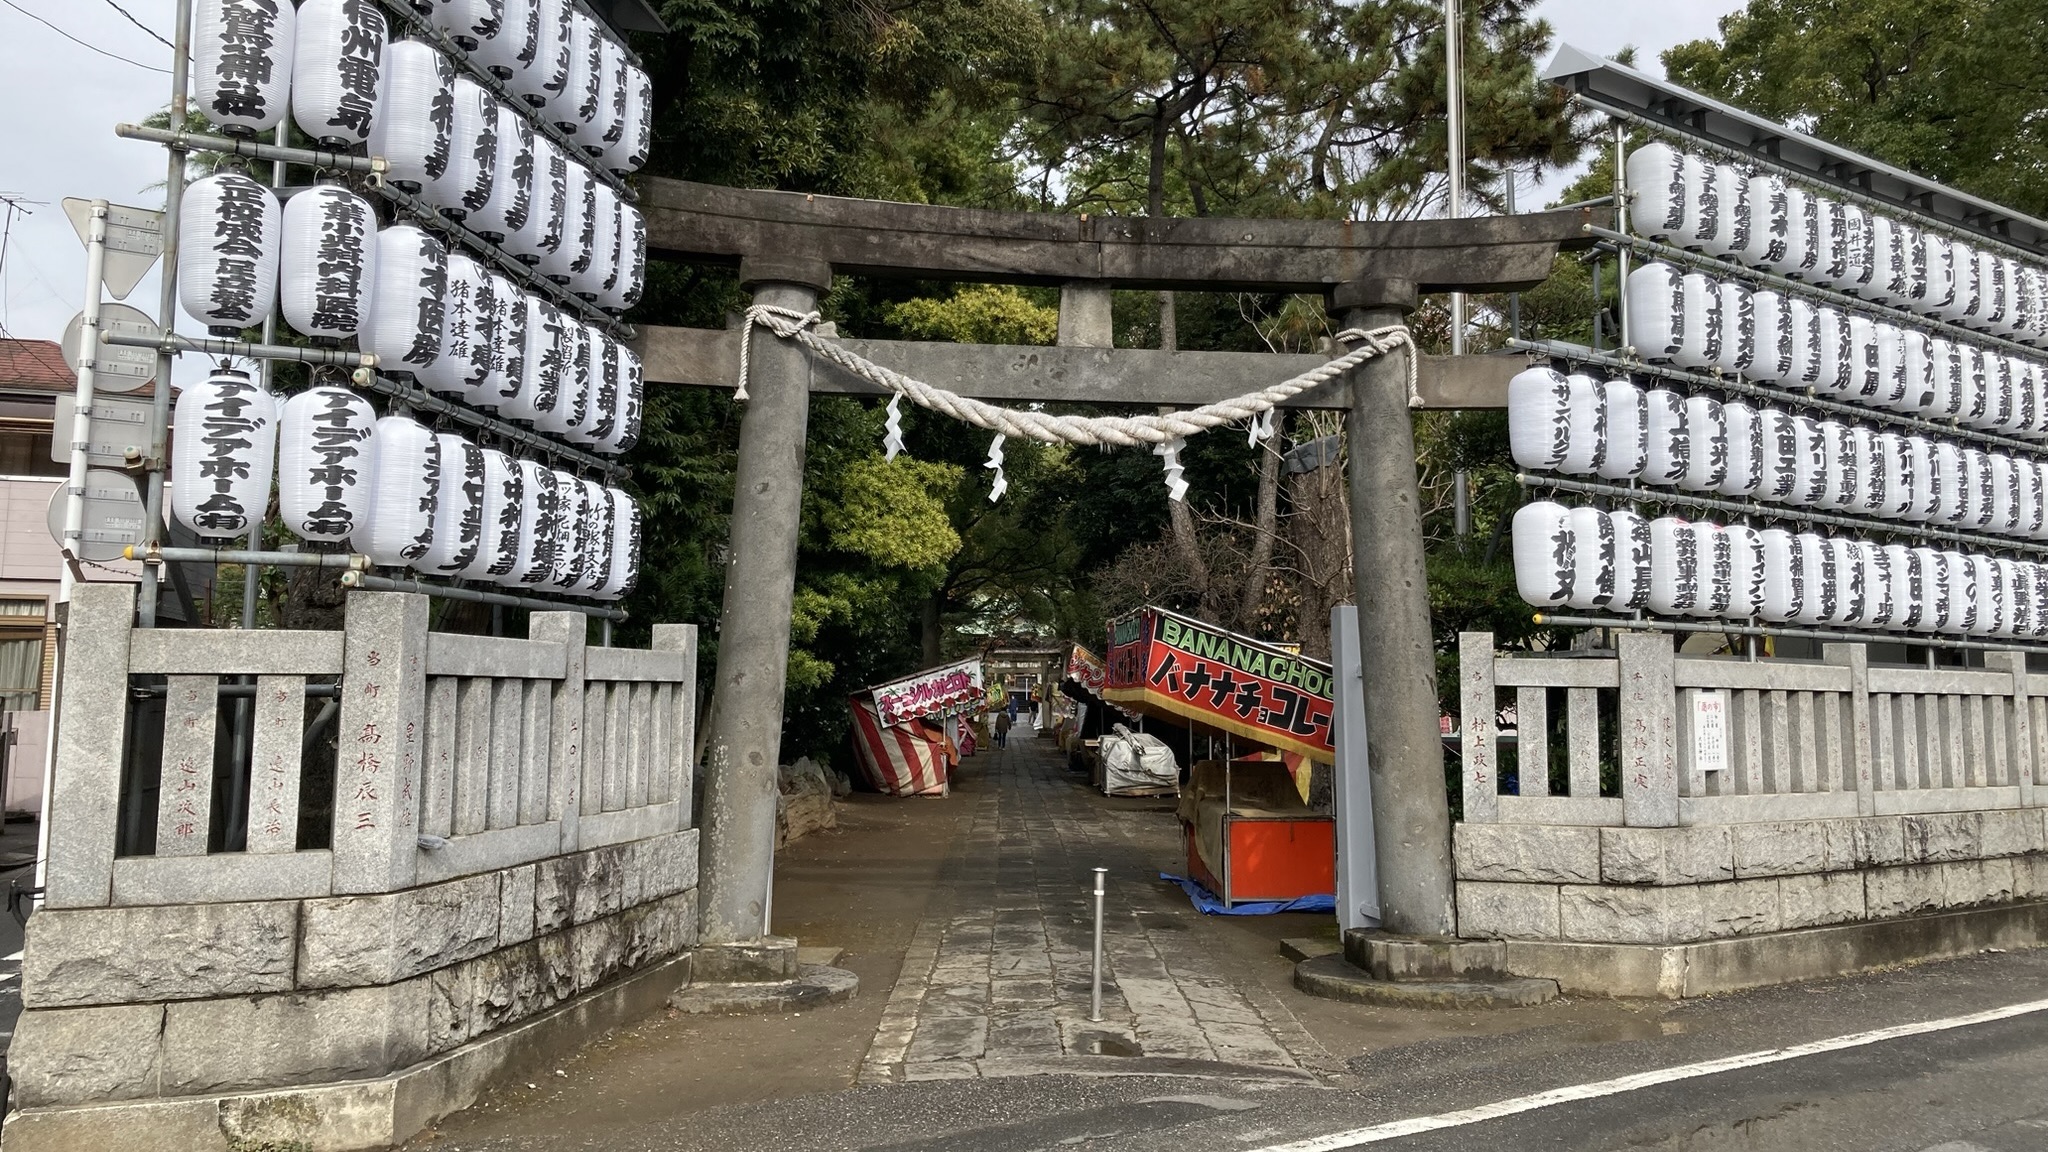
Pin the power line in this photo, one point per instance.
(141, 25)
(81, 43)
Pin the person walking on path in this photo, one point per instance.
(1002, 729)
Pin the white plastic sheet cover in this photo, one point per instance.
(1137, 764)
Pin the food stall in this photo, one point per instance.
(1249, 833)
(909, 734)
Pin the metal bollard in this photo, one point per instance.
(1095, 999)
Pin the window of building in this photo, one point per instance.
(27, 453)
(23, 640)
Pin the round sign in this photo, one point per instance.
(114, 515)
(119, 367)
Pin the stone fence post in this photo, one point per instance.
(92, 731)
(1649, 730)
(377, 767)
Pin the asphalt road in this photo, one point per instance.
(1981, 1086)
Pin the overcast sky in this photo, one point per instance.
(59, 140)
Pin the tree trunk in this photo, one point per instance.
(1260, 572)
(933, 628)
(1320, 530)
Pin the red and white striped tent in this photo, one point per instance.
(907, 759)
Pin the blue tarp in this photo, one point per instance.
(1213, 905)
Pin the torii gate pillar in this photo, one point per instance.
(1411, 814)
(738, 857)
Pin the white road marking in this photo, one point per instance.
(1394, 1130)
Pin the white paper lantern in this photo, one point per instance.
(1994, 301)
(1841, 471)
(606, 381)
(1896, 499)
(2016, 615)
(1964, 303)
(508, 375)
(468, 322)
(1927, 575)
(1917, 369)
(540, 517)
(1990, 585)
(1699, 307)
(1738, 329)
(403, 329)
(1656, 322)
(1938, 260)
(1903, 568)
(1703, 215)
(415, 126)
(548, 204)
(2033, 486)
(1925, 479)
(1852, 253)
(459, 510)
(242, 62)
(1860, 378)
(592, 406)
(572, 533)
(545, 74)
(545, 358)
(1716, 571)
(1767, 242)
(327, 463)
(1811, 481)
(1872, 473)
(2030, 417)
(1826, 267)
(1879, 587)
(229, 239)
(1706, 440)
(1804, 237)
(1890, 275)
(1661, 202)
(1545, 558)
(594, 537)
(1892, 386)
(1782, 453)
(603, 268)
(468, 22)
(1631, 561)
(1835, 356)
(503, 214)
(1628, 430)
(2005, 494)
(1769, 328)
(337, 70)
(1946, 482)
(1851, 602)
(571, 257)
(1732, 226)
(1784, 579)
(572, 402)
(1984, 494)
(1948, 381)
(577, 111)
(1963, 594)
(1916, 271)
(327, 261)
(497, 553)
(629, 152)
(632, 388)
(1746, 565)
(406, 493)
(611, 100)
(1668, 449)
(625, 546)
(1806, 344)
(1674, 567)
(221, 459)
(476, 137)
(1746, 451)
(1585, 426)
(508, 47)
(624, 289)
(1823, 592)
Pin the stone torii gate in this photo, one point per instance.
(787, 247)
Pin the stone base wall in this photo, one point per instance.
(1661, 886)
(178, 1001)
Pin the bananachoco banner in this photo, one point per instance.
(1166, 664)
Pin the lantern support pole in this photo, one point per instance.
(760, 585)
(425, 401)
(1411, 814)
(370, 582)
(87, 368)
(167, 313)
(169, 343)
(1911, 640)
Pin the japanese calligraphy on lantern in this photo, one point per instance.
(934, 692)
(1165, 663)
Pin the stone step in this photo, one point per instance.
(1334, 978)
(817, 985)
(1299, 948)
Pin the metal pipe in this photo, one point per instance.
(87, 366)
(1733, 271)
(370, 582)
(418, 397)
(1777, 512)
(1621, 197)
(347, 561)
(1461, 504)
(251, 582)
(183, 141)
(1095, 993)
(1803, 399)
(169, 343)
(1915, 639)
(1454, 144)
(237, 691)
(1514, 298)
(167, 313)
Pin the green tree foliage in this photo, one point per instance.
(1953, 89)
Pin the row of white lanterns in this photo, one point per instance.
(1589, 559)
(1766, 222)
(1578, 425)
(421, 309)
(348, 84)
(1690, 320)
(394, 490)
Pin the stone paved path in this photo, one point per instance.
(997, 977)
